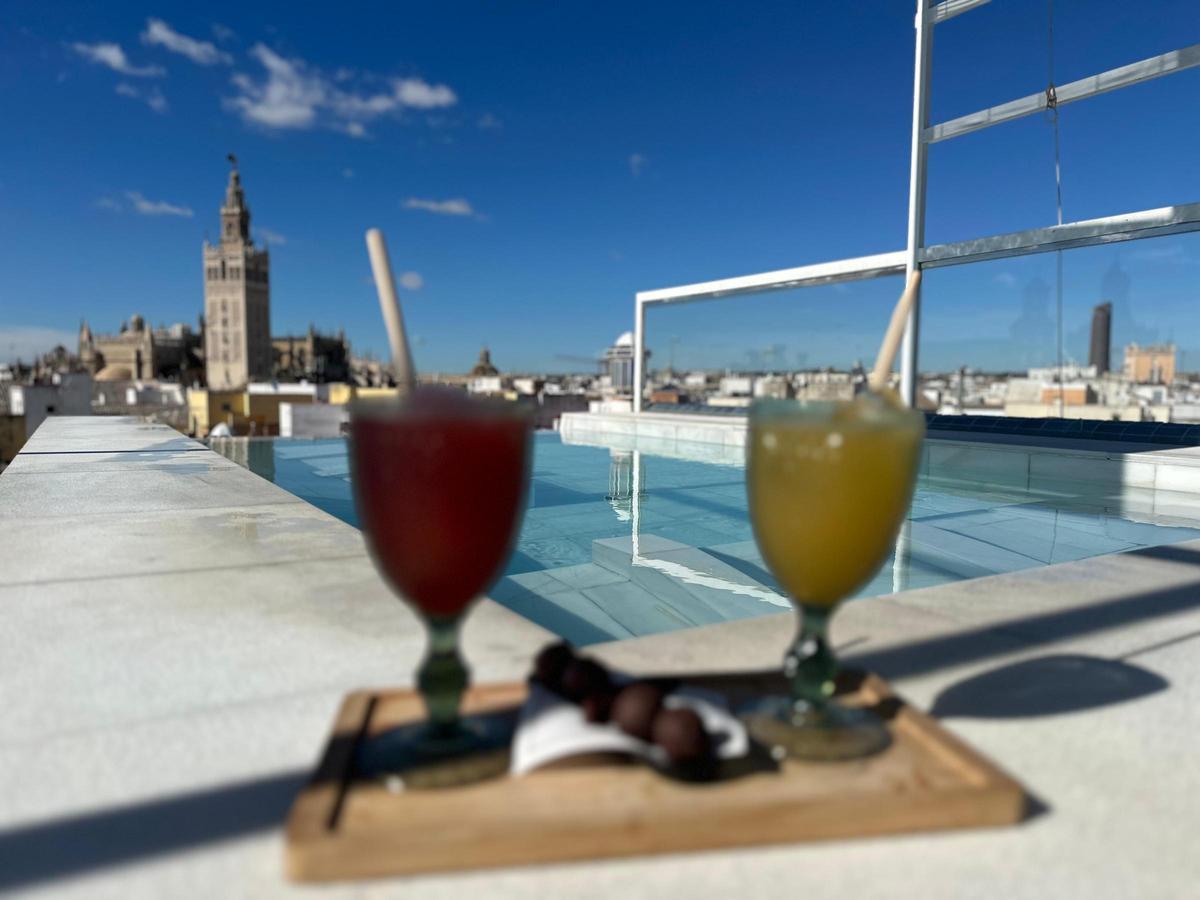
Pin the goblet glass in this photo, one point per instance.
(440, 482)
(829, 485)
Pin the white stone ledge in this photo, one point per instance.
(1011, 462)
(172, 623)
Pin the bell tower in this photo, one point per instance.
(235, 217)
(237, 298)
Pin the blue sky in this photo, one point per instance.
(535, 164)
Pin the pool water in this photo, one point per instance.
(619, 543)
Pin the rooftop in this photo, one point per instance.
(179, 632)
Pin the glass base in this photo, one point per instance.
(418, 756)
(828, 733)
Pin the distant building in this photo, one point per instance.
(736, 386)
(527, 385)
(484, 367)
(312, 357)
(1099, 351)
(23, 407)
(47, 367)
(1070, 372)
(139, 353)
(668, 394)
(254, 410)
(1154, 364)
(777, 387)
(369, 372)
(1072, 394)
(237, 299)
(618, 364)
(825, 384)
(485, 378)
(164, 402)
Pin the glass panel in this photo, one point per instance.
(1130, 333)
(1128, 150)
(990, 322)
(990, 182)
(721, 352)
(1000, 52)
(1132, 149)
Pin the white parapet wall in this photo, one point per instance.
(662, 427)
(1135, 472)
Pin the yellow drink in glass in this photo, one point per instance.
(828, 489)
(829, 485)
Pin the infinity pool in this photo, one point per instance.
(618, 543)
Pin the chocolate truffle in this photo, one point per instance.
(597, 707)
(681, 734)
(635, 707)
(550, 664)
(583, 677)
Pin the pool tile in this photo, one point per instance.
(584, 575)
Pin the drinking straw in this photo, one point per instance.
(389, 304)
(891, 340)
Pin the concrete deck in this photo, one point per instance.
(177, 633)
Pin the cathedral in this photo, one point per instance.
(237, 299)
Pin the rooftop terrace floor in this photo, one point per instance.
(177, 634)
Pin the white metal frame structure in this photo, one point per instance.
(1070, 235)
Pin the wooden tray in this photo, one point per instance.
(343, 828)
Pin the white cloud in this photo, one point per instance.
(223, 32)
(27, 343)
(455, 207)
(152, 97)
(637, 163)
(421, 95)
(412, 280)
(156, 207)
(114, 57)
(1007, 279)
(270, 237)
(288, 98)
(202, 53)
(488, 122)
(347, 172)
(295, 95)
(109, 203)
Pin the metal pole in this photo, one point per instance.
(639, 353)
(635, 507)
(916, 197)
(902, 561)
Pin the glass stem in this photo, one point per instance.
(810, 665)
(443, 675)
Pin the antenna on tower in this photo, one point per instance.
(232, 159)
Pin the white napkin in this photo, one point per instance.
(551, 728)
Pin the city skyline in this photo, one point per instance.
(510, 201)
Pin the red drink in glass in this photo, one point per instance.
(440, 482)
(440, 499)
